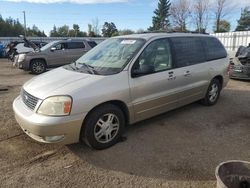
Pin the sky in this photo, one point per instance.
(126, 14)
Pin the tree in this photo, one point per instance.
(126, 32)
(160, 21)
(224, 26)
(53, 32)
(180, 12)
(244, 21)
(35, 32)
(91, 33)
(220, 12)
(200, 14)
(109, 29)
(76, 29)
(63, 31)
(10, 27)
(139, 31)
(96, 26)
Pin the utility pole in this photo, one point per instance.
(24, 18)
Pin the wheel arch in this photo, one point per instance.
(220, 78)
(120, 104)
(42, 59)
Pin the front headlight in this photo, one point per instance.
(56, 106)
(21, 57)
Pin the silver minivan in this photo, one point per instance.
(123, 80)
(54, 54)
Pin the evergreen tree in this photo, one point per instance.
(109, 30)
(53, 32)
(161, 18)
(244, 21)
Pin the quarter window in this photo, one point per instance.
(188, 51)
(92, 44)
(157, 54)
(214, 49)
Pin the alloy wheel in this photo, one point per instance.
(213, 92)
(106, 128)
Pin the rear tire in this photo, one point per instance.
(213, 93)
(37, 66)
(103, 127)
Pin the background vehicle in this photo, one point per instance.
(240, 65)
(54, 54)
(1, 50)
(14, 48)
(123, 80)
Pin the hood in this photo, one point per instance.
(35, 53)
(31, 44)
(53, 82)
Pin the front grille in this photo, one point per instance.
(28, 99)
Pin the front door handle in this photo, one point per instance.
(187, 73)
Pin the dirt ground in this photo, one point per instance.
(180, 148)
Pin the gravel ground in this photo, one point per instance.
(180, 148)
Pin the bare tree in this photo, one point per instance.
(180, 12)
(200, 14)
(219, 11)
(96, 26)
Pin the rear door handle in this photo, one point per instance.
(187, 73)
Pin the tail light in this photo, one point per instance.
(229, 68)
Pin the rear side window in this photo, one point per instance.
(214, 48)
(75, 45)
(188, 51)
(92, 44)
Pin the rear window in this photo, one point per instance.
(214, 48)
(92, 44)
(188, 51)
(75, 45)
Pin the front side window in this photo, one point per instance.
(109, 57)
(60, 46)
(156, 55)
(188, 51)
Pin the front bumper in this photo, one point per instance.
(47, 129)
(23, 65)
(240, 72)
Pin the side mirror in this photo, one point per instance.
(144, 69)
(53, 49)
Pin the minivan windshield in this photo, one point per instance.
(109, 57)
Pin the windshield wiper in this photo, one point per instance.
(89, 67)
(73, 67)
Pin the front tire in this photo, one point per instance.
(213, 93)
(103, 127)
(38, 66)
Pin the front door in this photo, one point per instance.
(59, 56)
(154, 93)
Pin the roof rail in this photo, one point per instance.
(175, 31)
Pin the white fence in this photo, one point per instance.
(232, 40)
